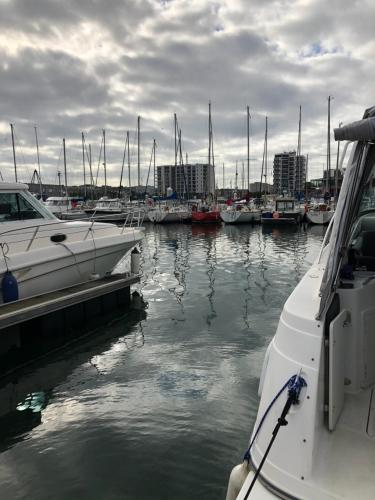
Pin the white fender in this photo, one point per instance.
(237, 478)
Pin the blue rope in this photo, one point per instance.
(294, 384)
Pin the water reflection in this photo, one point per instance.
(211, 264)
(26, 394)
(169, 395)
(263, 284)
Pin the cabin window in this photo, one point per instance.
(285, 205)
(14, 207)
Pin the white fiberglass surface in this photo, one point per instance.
(345, 461)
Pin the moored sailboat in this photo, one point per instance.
(319, 214)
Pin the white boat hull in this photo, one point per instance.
(317, 217)
(89, 251)
(165, 217)
(240, 217)
(64, 271)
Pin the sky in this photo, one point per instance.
(74, 66)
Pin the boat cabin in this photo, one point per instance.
(17, 204)
(285, 213)
(59, 204)
(105, 203)
(285, 204)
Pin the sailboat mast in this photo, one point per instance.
(122, 170)
(38, 159)
(264, 160)
(209, 133)
(84, 165)
(154, 164)
(104, 164)
(128, 146)
(298, 156)
(248, 149)
(14, 152)
(210, 151)
(307, 166)
(236, 183)
(59, 177)
(139, 148)
(175, 140)
(65, 171)
(266, 155)
(92, 177)
(328, 144)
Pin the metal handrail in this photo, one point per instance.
(37, 229)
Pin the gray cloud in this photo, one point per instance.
(88, 65)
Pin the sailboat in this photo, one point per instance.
(208, 213)
(322, 213)
(242, 212)
(313, 437)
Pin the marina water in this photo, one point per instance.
(157, 403)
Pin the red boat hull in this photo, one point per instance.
(206, 217)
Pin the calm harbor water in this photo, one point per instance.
(157, 404)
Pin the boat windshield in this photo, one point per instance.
(16, 206)
(285, 205)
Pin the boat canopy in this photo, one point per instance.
(357, 174)
(362, 130)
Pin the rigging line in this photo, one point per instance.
(58, 163)
(100, 157)
(17, 141)
(89, 162)
(149, 167)
(122, 168)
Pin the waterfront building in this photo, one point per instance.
(186, 180)
(289, 173)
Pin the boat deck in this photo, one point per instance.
(347, 456)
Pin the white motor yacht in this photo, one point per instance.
(314, 435)
(65, 207)
(44, 253)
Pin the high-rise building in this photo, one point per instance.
(289, 173)
(187, 180)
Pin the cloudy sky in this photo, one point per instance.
(86, 65)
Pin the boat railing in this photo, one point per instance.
(133, 218)
(28, 235)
